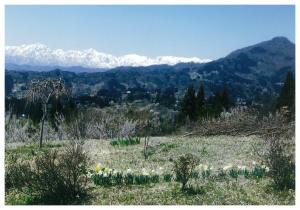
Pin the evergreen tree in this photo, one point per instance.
(287, 94)
(189, 104)
(224, 98)
(200, 100)
(166, 97)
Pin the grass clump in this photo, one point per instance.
(126, 141)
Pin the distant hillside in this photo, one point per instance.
(249, 73)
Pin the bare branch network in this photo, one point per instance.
(41, 90)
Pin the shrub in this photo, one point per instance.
(183, 168)
(17, 172)
(19, 130)
(56, 177)
(280, 154)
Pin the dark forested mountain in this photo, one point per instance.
(251, 73)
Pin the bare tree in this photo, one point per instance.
(42, 90)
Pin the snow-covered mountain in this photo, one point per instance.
(42, 55)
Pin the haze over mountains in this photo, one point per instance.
(249, 73)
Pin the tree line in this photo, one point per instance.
(196, 106)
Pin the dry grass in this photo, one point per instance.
(215, 150)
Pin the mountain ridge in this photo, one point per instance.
(249, 73)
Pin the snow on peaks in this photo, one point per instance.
(42, 55)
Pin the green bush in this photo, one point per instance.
(183, 168)
(55, 177)
(17, 172)
(280, 155)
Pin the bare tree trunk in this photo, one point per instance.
(42, 127)
(146, 143)
(42, 131)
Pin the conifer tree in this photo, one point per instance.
(200, 100)
(287, 94)
(189, 104)
(224, 97)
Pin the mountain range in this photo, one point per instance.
(42, 58)
(250, 73)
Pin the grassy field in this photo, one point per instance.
(217, 151)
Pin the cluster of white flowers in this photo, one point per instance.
(203, 167)
(267, 169)
(242, 168)
(228, 167)
(145, 172)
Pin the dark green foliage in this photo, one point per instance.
(166, 97)
(282, 164)
(233, 173)
(17, 172)
(280, 154)
(129, 179)
(9, 84)
(126, 141)
(200, 100)
(167, 177)
(188, 106)
(224, 98)
(63, 105)
(287, 95)
(154, 178)
(137, 93)
(183, 168)
(283, 172)
(194, 190)
(142, 179)
(196, 107)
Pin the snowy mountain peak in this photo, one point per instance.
(41, 55)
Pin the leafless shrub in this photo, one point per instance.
(42, 90)
(18, 130)
(239, 121)
(58, 177)
(279, 136)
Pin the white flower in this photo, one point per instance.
(267, 169)
(253, 163)
(129, 171)
(100, 173)
(200, 167)
(144, 172)
(205, 168)
(89, 175)
(243, 168)
(105, 175)
(227, 167)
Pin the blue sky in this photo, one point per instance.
(201, 31)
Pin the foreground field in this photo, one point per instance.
(217, 151)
